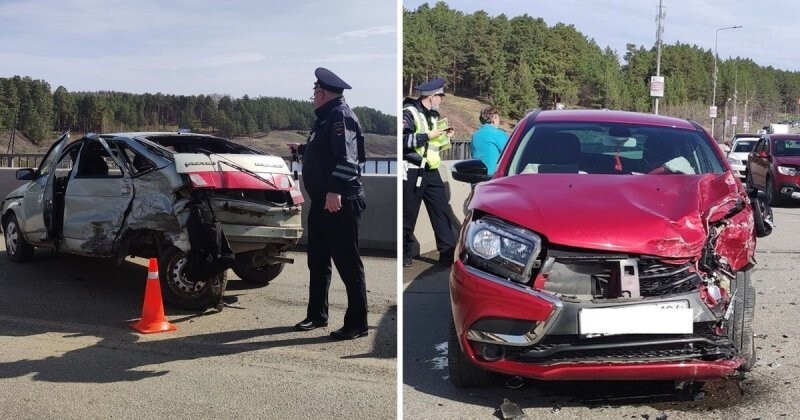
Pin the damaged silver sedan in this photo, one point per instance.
(200, 204)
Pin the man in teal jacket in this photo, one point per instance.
(489, 140)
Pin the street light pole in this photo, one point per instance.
(714, 94)
(724, 121)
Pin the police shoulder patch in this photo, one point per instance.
(338, 128)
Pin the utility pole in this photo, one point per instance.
(659, 33)
(746, 122)
(735, 96)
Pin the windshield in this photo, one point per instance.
(613, 148)
(787, 148)
(743, 146)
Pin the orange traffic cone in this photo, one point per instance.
(153, 319)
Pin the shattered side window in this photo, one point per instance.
(137, 163)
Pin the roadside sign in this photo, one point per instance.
(746, 125)
(657, 86)
(712, 111)
(733, 120)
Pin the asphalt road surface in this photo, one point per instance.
(66, 350)
(770, 391)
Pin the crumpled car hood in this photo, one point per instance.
(660, 215)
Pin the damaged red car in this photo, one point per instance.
(607, 246)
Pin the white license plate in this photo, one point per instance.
(673, 317)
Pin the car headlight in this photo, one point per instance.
(734, 161)
(787, 170)
(502, 249)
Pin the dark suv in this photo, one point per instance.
(774, 167)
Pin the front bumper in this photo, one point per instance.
(788, 186)
(536, 334)
(739, 170)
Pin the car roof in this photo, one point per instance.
(737, 135)
(155, 133)
(784, 136)
(602, 115)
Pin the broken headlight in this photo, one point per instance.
(502, 249)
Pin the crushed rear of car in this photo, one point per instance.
(200, 204)
(608, 246)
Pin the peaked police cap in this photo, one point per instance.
(328, 80)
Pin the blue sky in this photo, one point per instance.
(190, 47)
(769, 35)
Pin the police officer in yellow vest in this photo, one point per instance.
(423, 139)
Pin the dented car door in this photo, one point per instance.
(96, 201)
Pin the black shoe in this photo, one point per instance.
(309, 324)
(446, 260)
(349, 333)
(406, 262)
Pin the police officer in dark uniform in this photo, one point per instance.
(332, 179)
(423, 139)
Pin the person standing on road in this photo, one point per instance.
(489, 140)
(422, 142)
(332, 179)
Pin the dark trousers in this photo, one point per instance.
(335, 236)
(432, 192)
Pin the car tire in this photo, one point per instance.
(182, 293)
(762, 217)
(773, 198)
(740, 329)
(463, 374)
(244, 267)
(17, 248)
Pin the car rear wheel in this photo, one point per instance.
(762, 217)
(250, 267)
(741, 323)
(463, 373)
(180, 291)
(17, 248)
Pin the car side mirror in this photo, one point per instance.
(25, 174)
(471, 171)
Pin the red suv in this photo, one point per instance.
(773, 166)
(608, 245)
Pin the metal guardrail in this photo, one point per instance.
(20, 160)
(459, 150)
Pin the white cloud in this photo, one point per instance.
(368, 32)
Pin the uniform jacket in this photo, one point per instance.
(332, 155)
(412, 139)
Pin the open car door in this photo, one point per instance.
(97, 199)
(37, 201)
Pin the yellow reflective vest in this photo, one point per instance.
(434, 146)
